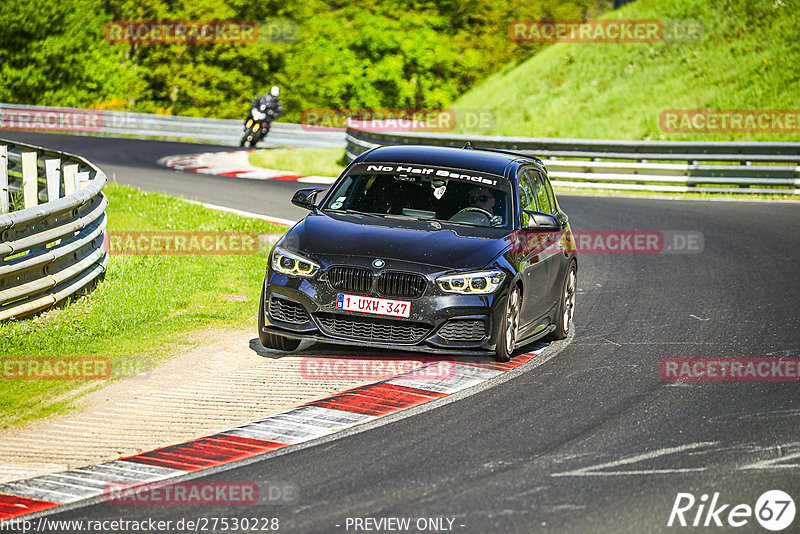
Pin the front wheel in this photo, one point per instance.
(247, 136)
(566, 306)
(508, 331)
(273, 341)
(259, 134)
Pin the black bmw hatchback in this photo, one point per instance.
(428, 249)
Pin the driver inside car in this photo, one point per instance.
(483, 198)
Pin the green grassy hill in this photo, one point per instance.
(748, 57)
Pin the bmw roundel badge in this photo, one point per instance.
(378, 264)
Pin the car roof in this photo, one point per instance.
(488, 161)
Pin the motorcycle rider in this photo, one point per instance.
(271, 106)
(272, 102)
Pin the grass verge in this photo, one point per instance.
(146, 308)
(744, 56)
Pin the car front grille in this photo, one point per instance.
(287, 311)
(389, 284)
(401, 285)
(371, 329)
(463, 330)
(350, 279)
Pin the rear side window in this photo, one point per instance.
(553, 202)
(542, 194)
(527, 197)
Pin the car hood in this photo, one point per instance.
(328, 236)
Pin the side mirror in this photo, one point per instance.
(541, 221)
(305, 198)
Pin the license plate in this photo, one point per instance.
(376, 306)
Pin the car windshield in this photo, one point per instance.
(423, 197)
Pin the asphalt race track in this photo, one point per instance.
(593, 440)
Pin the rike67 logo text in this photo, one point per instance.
(774, 510)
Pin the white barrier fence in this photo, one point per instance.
(676, 166)
(52, 224)
(17, 117)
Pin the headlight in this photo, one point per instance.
(474, 283)
(292, 264)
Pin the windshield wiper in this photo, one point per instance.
(406, 217)
(458, 223)
(427, 219)
(356, 212)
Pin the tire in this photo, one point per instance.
(273, 341)
(247, 136)
(259, 135)
(254, 138)
(508, 331)
(566, 306)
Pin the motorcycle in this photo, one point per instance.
(257, 124)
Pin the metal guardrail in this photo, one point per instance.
(48, 251)
(144, 125)
(673, 166)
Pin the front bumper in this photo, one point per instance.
(439, 322)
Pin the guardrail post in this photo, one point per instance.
(30, 180)
(69, 179)
(3, 179)
(81, 180)
(53, 168)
